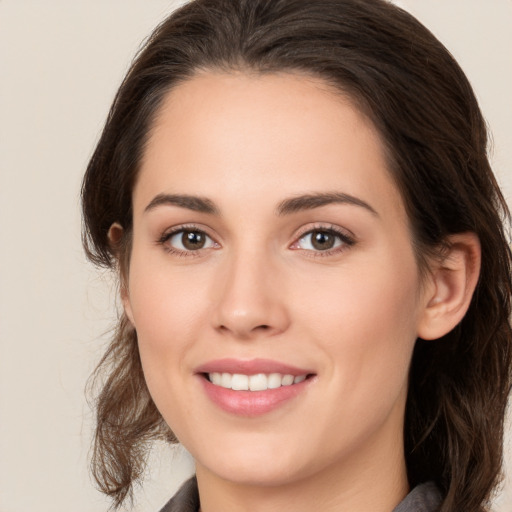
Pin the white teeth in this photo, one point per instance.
(240, 382)
(274, 380)
(258, 382)
(225, 380)
(216, 378)
(287, 380)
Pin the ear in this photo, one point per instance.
(452, 283)
(115, 236)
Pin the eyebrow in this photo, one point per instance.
(310, 201)
(195, 203)
(286, 207)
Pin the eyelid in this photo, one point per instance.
(327, 226)
(170, 232)
(347, 238)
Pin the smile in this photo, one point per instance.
(250, 388)
(258, 382)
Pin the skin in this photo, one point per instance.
(259, 289)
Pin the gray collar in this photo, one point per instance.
(423, 498)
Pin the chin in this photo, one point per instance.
(256, 467)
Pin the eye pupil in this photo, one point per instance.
(193, 240)
(322, 240)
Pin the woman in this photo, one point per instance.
(312, 261)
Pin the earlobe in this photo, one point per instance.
(115, 236)
(452, 284)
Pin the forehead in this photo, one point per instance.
(262, 136)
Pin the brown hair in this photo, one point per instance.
(429, 119)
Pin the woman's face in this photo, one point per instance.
(271, 245)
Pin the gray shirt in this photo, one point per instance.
(423, 498)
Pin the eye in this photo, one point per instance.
(323, 240)
(187, 240)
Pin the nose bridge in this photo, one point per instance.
(248, 301)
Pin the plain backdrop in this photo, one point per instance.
(60, 65)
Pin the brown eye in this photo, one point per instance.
(187, 240)
(319, 240)
(193, 240)
(322, 240)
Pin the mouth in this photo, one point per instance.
(256, 382)
(255, 387)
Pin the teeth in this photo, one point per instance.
(274, 380)
(225, 380)
(240, 382)
(258, 382)
(216, 378)
(287, 380)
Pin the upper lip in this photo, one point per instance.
(250, 367)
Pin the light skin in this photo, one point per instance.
(328, 282)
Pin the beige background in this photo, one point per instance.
(60, 64)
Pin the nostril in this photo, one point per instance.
(242, 327)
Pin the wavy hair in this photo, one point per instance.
(427, 115)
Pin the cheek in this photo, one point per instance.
(364, 320)
(164, 300)
(168, 312)
(166, 320)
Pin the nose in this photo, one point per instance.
(251, 298)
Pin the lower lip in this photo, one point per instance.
(252, 403)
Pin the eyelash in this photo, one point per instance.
(179, 229)
(346, 240)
